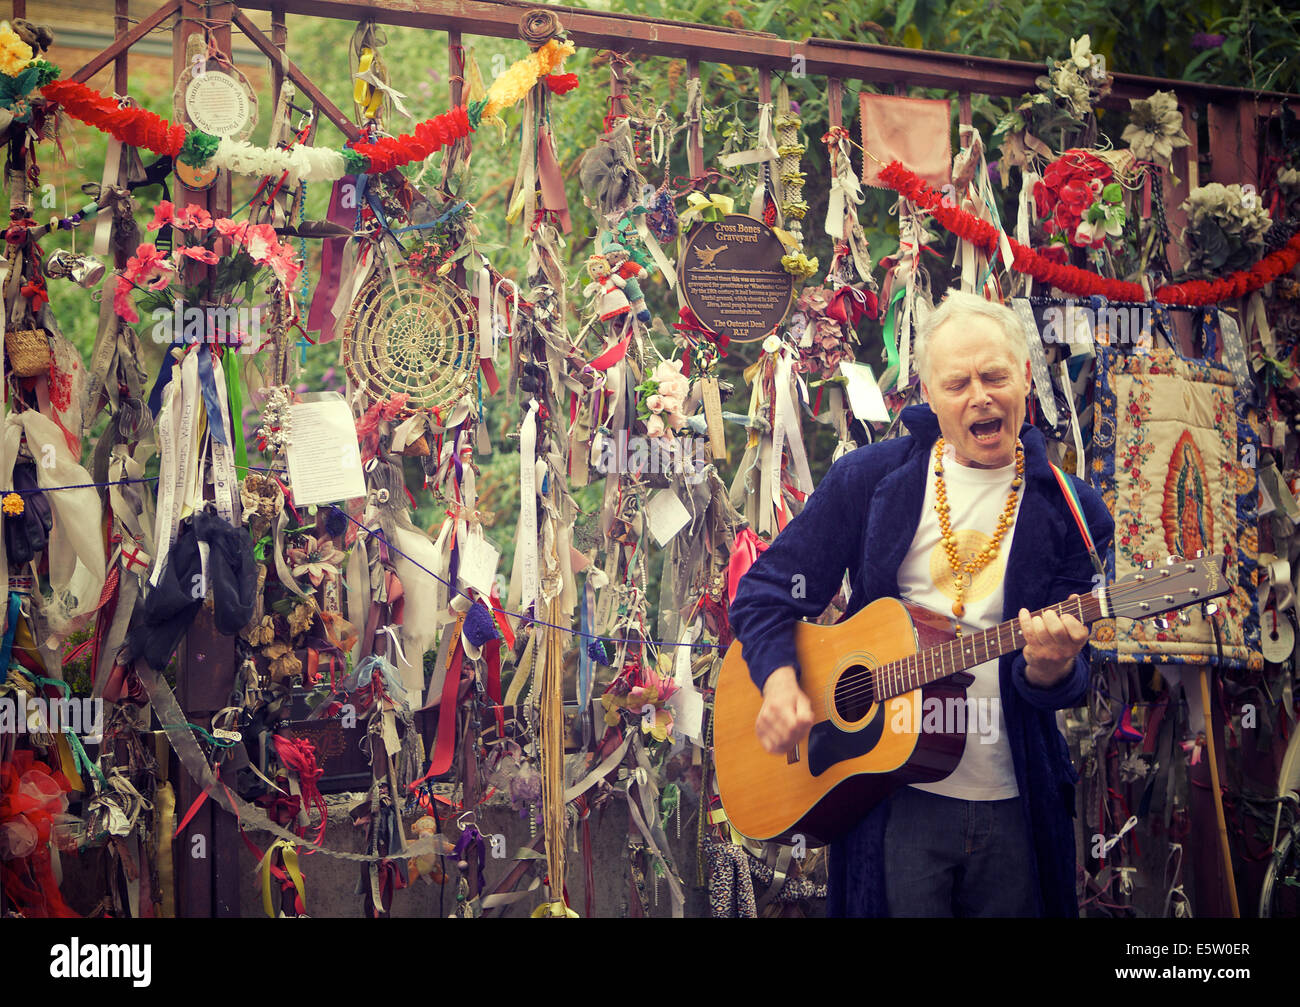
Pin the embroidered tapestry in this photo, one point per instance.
(1174, 452)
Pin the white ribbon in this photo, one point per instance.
(527, 541)
(486, 326)
(666, 265)
(766, 149)
(845, 195)
(225, 482)
(785, 428)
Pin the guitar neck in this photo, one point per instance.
(969, 650)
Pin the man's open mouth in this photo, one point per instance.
(987, 431)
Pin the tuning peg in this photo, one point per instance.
(1185, 617)
(1199, 553)
(1210, 609)
(1161, 623)
(1171, 560)
(1149, 564)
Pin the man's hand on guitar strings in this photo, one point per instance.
(786, 715)
(1051, 644)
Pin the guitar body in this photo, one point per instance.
(859, 751)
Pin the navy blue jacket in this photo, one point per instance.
(862, 519)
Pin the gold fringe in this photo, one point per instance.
(554, 819)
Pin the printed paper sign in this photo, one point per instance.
(324, 460)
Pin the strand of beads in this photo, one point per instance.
(961, 570)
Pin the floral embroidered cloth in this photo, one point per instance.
(1173, 459)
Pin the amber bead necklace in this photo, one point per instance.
(960, 569)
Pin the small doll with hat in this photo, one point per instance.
(607, 287)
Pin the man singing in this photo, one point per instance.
(964, 517)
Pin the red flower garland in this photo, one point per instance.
(134, 126)
(560, 83)
(390, 152)
(1194, 293)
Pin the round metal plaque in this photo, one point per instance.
(733, 280)
(217, 103)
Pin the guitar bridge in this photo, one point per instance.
(792, 756)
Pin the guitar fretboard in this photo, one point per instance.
(968, 650)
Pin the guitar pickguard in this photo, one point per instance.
(828, 745)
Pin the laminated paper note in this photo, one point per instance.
(666, 516)
(865, 399)
(478, 563)
(324, 460)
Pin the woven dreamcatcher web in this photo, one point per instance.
(413, 336)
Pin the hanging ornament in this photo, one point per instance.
(411, 336)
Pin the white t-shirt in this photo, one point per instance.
(976, 498)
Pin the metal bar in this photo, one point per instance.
(125, 42)
(711, 43)
(345, 125)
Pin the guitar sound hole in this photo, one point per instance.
(853, 693)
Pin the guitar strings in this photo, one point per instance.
(863, 684)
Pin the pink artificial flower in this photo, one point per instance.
(200, 253)
(228, 228)
(122, 301)
(192, 216)
(162, 214)
(260, 242)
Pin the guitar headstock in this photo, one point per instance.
(1159, 588)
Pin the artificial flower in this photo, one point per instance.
(316, 559)
(519, 78)
(200, 254)
(668, 376)
(15, 54)
(162, 215)
(1155, 128)
(228, 228)
(560, 83)
(13, 504)
(190, 217)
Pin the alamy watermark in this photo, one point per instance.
(951, 715)
(1110, 325)
(688, 456)
(38, 715)
(226, 324)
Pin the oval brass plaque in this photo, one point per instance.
(732, 277)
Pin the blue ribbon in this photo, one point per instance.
(584, 658)
(165, 373)
(208, 385)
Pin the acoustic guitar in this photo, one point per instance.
(871, 679)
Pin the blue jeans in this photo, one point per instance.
(946, 857)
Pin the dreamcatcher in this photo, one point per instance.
(411, 336)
